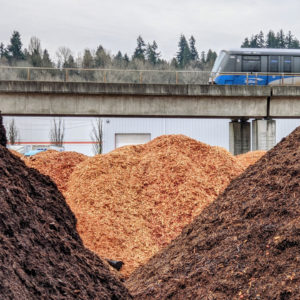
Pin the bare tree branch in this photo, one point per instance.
(57, 132)
(97, 136)
(13, 132)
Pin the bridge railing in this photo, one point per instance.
(104, 75)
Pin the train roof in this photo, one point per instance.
(263, 51)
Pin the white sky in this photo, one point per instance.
(115, 24)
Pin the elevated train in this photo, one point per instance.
(257, 66)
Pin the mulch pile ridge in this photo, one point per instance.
(3, 139)
(250, 158)
(245, 245)
(133, 201)
(58, 165)
(41, 253)
(16, 153)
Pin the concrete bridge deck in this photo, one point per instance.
(147, 100)
(238, 103)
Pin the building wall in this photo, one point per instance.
(78, 130)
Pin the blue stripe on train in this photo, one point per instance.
(252, 79)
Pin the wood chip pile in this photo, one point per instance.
(133, 201)
(57, 165)
(250, 158)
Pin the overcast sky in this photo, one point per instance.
(115, 24)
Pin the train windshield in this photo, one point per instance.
(217, 64)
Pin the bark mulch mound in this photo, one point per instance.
(133, 201)
(245, 245)
(3, 140)
(41, 253)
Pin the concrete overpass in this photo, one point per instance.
(238, 103)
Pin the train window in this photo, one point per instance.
(296, 64)
(274, 64)
(251, 63)
(287, 64)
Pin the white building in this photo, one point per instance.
(123, 131)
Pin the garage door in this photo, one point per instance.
(124, 139)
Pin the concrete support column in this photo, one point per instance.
(263, 134)
(239, 137)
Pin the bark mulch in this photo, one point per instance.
(41, 253)
(245, 245)
(3, 139)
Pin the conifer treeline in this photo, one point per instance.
(145, 56)
(272, 40)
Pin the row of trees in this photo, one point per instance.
(57, 133)
(272, 40)
(145, 55)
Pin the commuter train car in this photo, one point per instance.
(257, 66)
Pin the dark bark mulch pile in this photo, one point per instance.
(245, 245)
(3, 140)
(41, 253)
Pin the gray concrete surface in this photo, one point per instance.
(239, 137)
(263, 134)
(153, 100)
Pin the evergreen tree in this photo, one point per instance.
(119, 56)
(87, 60)
(2, 50)
(46, 61)
(3, 55)
(271, 41)
(184, 53)
(211, 57)
(140, 50)
(194, 52)
(102, 59)
(246, 43)
(254, 41)
(15, 52)
(174, 64)
(152, 54)
(289, 40)
(295, 44)
(70, 63)
(203, 58)
(118, 59)
(126, 60)
(261, 40)
(280, 37)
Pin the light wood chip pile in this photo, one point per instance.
(133, 201)
(57, 165)
(250, 158)
(16, 153)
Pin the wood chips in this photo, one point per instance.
(250, 158)
(133, 201)
(57, 165)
